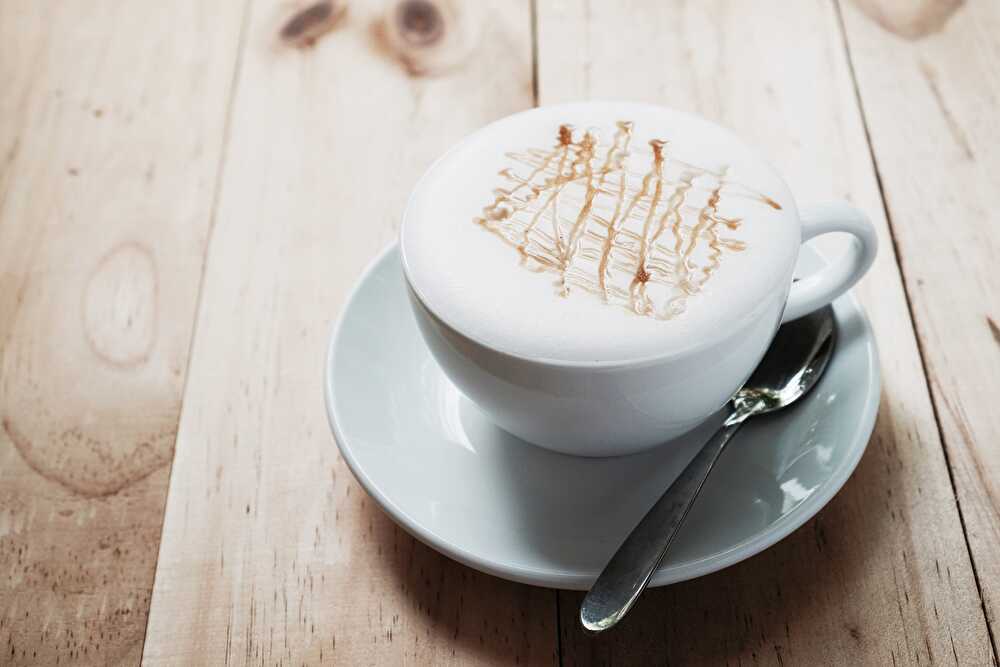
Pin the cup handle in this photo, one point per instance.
(817, 290)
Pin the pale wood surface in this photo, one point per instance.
(935, 100)
(111, 123)
(271, 551)
(882, 575)
(139, 141)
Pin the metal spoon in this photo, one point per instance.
(793, 363)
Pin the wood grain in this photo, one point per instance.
(882, 575)
(113, 154)
(271, 552)
(112, 123)
(931, 106)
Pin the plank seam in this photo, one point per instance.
(913, 322)
(533, 7)
(213, 216)
(559, 650)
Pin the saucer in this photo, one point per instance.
(475, 493)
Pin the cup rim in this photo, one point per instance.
(644, 360)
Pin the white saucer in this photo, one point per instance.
(473, 492)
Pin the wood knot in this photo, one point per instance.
(910, 20)
(309, 24)
(420, 22)
(427, 36)
(120, 306)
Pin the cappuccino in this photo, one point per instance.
(598, 233)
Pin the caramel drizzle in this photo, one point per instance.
(614, 246)
(613, 161)
(638, 300)
(673, 217)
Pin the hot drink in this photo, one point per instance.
(595, 235)
(600, 277)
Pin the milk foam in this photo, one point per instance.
(598, 232)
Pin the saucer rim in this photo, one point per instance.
(577, 580)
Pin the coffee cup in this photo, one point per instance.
(601, 277)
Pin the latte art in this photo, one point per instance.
(623, 279)
(636, 228)
(598, 231)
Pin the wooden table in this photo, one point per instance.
(187, 192)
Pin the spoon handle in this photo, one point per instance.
(628, 573)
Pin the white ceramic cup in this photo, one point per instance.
(668, 375)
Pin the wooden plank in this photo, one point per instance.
(882, 575)
(113, 115)
(271, 552)
(932, 102)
